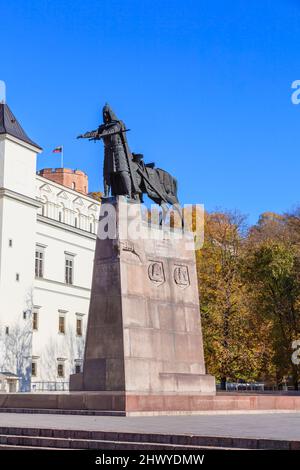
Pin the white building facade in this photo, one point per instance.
(47, 242)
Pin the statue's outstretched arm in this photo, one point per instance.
(88, 135)
(102, 131)
(108, 129)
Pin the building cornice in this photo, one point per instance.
(59, 239)
(8, 193)
(21, 143)
(66, 227)
(61, 288)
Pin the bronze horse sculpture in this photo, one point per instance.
(125, 173)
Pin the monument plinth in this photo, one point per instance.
(144, 330)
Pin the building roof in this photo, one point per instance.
(10, 125)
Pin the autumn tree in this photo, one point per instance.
(271, 268)
(232, 348)
(97, 195)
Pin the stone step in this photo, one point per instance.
(33, 442)
(14, 447)
(55, 411)
(139, 438)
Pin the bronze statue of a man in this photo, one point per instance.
(117, 171)
(125, 173)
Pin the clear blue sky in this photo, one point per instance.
(203, 85)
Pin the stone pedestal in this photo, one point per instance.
(144, 330)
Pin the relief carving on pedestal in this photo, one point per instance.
(181, 276)
(128, 246)
(156, 272)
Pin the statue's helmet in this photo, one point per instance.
(108, 114)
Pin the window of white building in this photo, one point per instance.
(78, 366)
(39, 261)
(79, 326)
(62, 324)
(61, 369)
(33, 369)
(69, 269)
(35, 320)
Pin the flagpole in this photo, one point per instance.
(62, 156)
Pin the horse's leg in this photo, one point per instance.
(179, 210)
(165, 210)
(160, 221)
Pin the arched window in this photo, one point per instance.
(44, 209)
(77, 220)
(61, 212)
(92, 224)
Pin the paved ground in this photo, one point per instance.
(276, 426)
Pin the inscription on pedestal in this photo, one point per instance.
(181, 276)
(156, 272)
